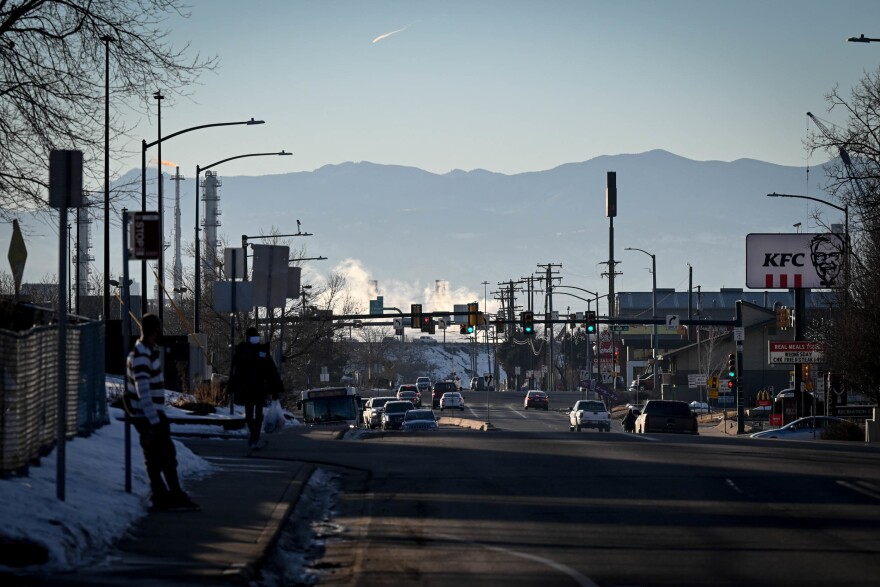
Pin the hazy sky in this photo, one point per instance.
(504, 85)
(509, 86)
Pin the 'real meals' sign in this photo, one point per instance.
(784, 261)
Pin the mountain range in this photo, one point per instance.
(406, 228)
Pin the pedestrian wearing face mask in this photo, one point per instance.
(252, 379)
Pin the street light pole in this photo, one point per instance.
(107, 40)
(160, 297)
(845, 210)
(653, 312)
(144, 146)
(800, 301)
(199, 170)
(862, 39)
(589, 348)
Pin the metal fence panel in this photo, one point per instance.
(29, 390)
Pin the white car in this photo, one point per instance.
(699, 407)
(451, 399)
(589, 413)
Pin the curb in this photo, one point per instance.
(274, 525)
(465, 423)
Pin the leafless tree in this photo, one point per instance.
(52, 65)
(853, 332)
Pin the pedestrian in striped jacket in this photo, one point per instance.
(145, 404)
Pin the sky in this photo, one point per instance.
(508, 86)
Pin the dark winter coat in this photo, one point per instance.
(254, 376)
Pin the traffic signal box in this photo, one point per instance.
(731, 370)
(527, 321)
(473, 310)
(427, 323)
(499, 323)
(590, 321)
(783, 317)
(807, 376)
(415, 311)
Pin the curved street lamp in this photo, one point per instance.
(862, 39)
(653, 311)
(144, 146)
(199, 170)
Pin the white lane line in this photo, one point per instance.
(862, 487)
(564, 569)
(733, 486)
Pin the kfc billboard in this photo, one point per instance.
(784, 261)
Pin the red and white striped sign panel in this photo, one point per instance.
(784, 261)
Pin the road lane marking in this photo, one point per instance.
(733, 486)
(564, 569)
(861, 487)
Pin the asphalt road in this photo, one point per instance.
(535, 504)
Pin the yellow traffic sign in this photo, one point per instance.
(713, 394)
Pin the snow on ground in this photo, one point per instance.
(96, 510)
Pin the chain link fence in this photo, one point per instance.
(29, 390)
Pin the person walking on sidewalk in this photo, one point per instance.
(144, 401)
(252, 379)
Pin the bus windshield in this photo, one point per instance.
(330, 410)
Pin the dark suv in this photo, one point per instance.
(440, 388)
(392, 416)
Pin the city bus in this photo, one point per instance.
(330, 405)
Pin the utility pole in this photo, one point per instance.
(548, 317)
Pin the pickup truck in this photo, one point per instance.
(666, 416)
(589, 413)
(373, 411)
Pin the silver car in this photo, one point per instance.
(809, 428)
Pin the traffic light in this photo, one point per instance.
(731, 365)
(427, 323)
(590, 321)
(807, 376)
(783, 317)
(463, 329)
(473, 308)
(527, 320)
(499, 323)
(415, 311)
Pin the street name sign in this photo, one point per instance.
(796, 352)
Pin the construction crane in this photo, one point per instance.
(844, 156)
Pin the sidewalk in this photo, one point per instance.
(244, 502)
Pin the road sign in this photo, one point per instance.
(146, 235)
(713, 394)
(796, 352)
(377, 306)
(856, 412)
(672, 320)
(17, 255)
(739, 333)
(619, 327)
(696, 380)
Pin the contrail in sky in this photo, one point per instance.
(386, 35)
